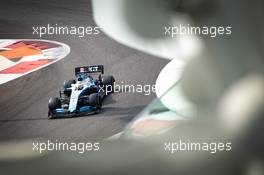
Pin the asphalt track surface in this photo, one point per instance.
(23, 102)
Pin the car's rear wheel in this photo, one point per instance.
(66, 85)
(108, 83)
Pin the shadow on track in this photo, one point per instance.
(22, 119)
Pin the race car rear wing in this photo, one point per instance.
(89, 69)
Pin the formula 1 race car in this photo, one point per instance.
(83, 96)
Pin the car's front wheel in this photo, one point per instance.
(95, 100)
(54, 103)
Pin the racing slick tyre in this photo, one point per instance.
(66, 85)
(95, 100)
(54, 103)
(108, 82)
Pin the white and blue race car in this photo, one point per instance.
(83, 96)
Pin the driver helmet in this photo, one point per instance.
(81, 77)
